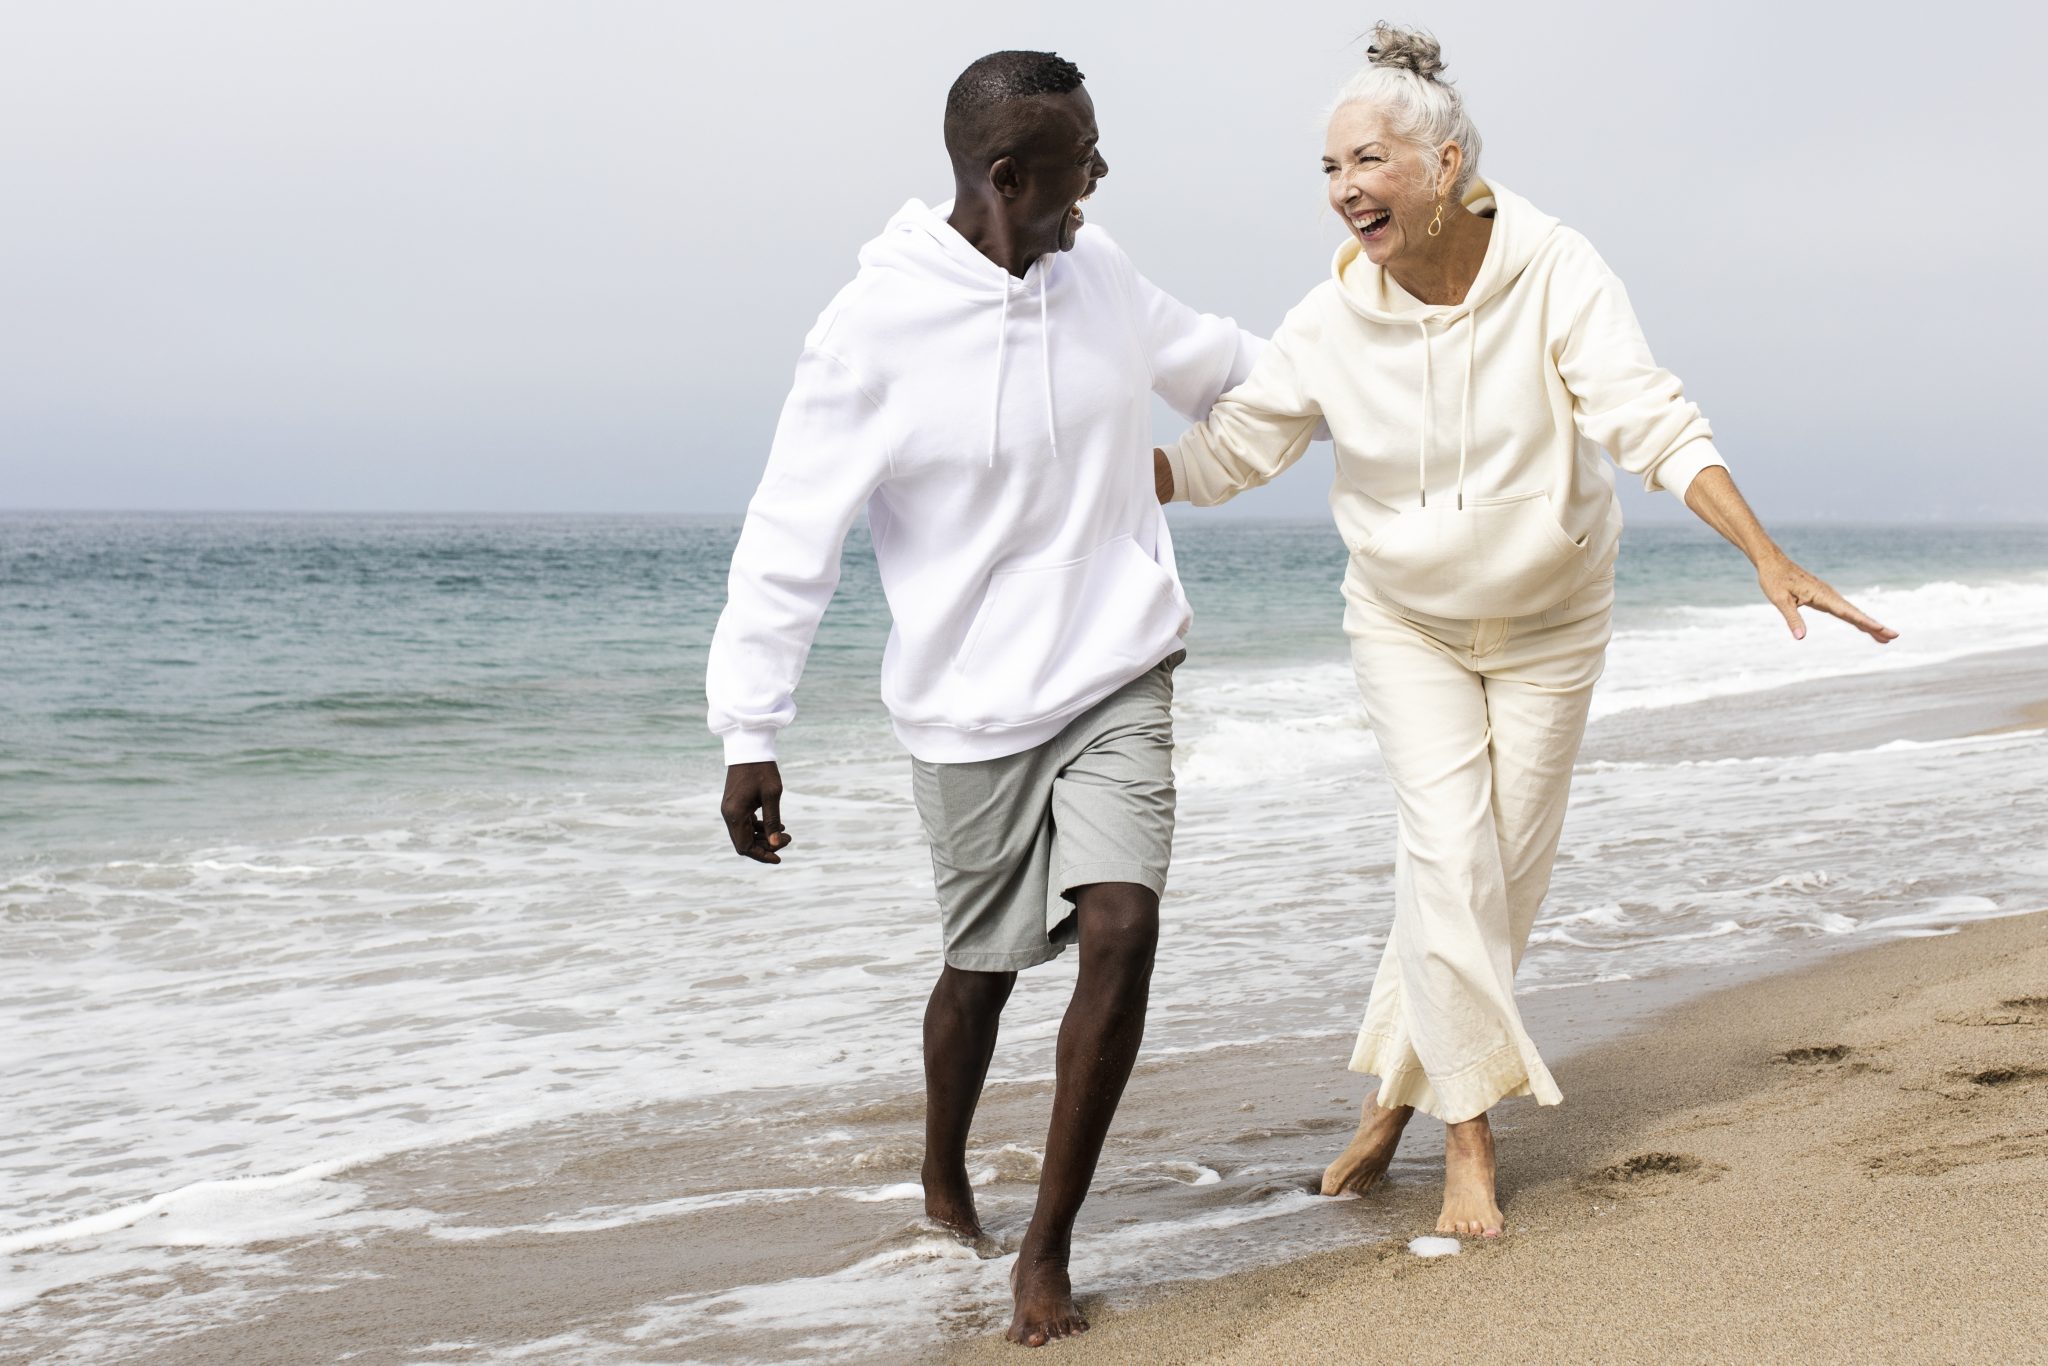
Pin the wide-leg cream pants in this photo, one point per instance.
(1479, 724)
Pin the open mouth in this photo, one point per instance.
(1371, 223)
(1074, 210)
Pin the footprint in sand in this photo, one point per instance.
(2021, 1011)
(1649, 1174)
(1936, 1158)
(1813, 1055)
(2004, 1076)
(1983, 1084)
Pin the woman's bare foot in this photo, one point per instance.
(1360, 1166)
(1045, 1297)
(949, 1201)
(1469, 1205)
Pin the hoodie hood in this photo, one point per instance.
(1519, 230)
(919, 242)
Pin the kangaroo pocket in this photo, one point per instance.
(1496, 557)
(1050, 635)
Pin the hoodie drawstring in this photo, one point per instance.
(1429, 407)
(1465, 409)
(1045, 357)
(995, 402)
(1422, 447)
(1052, 433)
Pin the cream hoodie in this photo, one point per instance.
(1468, 480)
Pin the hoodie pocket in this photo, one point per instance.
(1050, 635)
(1494, 557)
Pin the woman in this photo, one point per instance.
(1469, 355)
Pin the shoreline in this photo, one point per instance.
(1844, 1161)
(609, 1234)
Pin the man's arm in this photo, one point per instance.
(1195, 357)
(830, 454)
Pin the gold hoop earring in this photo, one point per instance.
(1436, 224)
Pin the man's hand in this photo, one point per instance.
(1162, 476)
(1790, 588)
(752, 788)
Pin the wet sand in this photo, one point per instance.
(1846, 1162)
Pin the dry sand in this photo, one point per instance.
(1846, 1162)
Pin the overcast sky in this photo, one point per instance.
(443, 255)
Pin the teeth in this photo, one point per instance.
(1367, 222)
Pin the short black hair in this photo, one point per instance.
(984, 120)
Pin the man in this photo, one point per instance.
(981, 390)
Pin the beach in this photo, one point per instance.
(1847, 1162)
(379, 983)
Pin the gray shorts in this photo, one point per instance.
(1013, 837)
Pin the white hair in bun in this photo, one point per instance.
(1402, 80)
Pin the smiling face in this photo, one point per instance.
(1379, 185)
(1057, 170)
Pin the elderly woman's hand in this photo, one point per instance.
(1716, 501)
(1790, 588)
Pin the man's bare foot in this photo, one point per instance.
(1045, 1297)
(1469, 1205)
(949, 1202)
(1359, 1167)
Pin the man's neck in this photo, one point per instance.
(991, 235)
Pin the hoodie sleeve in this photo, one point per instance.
(1194, 356)
(1257, 429)
(1621, 397)
(830, 453)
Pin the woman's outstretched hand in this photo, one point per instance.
(1162, 476)
(1790, 588)
(1716, 501)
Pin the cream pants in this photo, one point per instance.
(1479, 723)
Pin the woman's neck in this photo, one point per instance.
(1443, 271)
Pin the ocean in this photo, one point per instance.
(364, 891)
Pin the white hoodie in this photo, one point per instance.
(995, 430)
(1469, 483)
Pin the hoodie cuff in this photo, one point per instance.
(1683, 466)
(1180, 474)
(750, 746)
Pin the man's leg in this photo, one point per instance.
(1099, 1038)
(959, 1038)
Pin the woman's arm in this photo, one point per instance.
(1626, 402)
(1252, 433)
(1715, 500)
(1622, 400)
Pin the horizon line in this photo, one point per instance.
(1176, 511)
